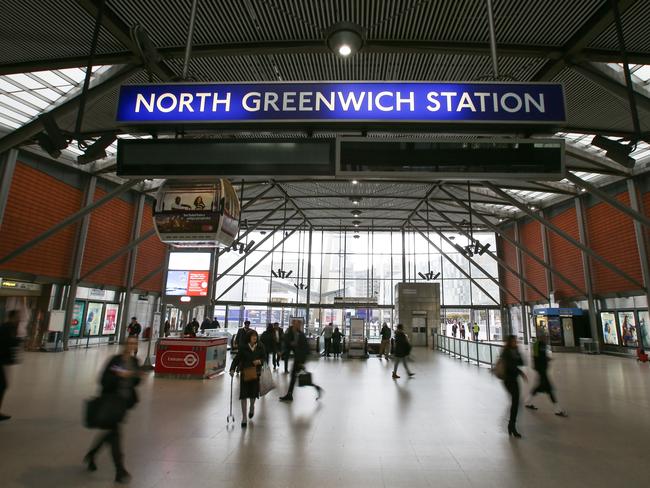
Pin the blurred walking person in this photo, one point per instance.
(402, 350)
(337, 337)
(540, 364)
(248, 361)
(269, 344)
(278, 342)
(8, 349)
(509, 370)
(287, 339)
(385, 334)
(328, 330)
(300, 348)
(119, 379)
(462, 331)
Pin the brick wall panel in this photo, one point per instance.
(109, 230)
(531, 238)
(508, 253)
(151, 254)
(37, 202)
(565, 257)
(611, 234)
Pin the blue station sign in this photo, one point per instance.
(421, 102)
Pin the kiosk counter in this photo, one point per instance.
(200, 357)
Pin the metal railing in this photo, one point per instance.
(480, 352)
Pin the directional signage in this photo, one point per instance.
(417, 102)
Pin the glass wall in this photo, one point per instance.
(274, 279)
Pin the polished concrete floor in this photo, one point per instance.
(444, 428)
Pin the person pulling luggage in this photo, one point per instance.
(300, 348)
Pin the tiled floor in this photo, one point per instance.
(445, 428)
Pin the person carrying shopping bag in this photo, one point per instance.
(249, 361)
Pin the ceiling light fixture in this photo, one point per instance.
(355, 200)
(344, 38)
(356, 213)
(355, 182)
(356, 223)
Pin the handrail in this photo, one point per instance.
(480, 352)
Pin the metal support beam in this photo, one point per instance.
(77, 259)
(29, 130)
(284, 238)
(522, 289)
(258, 245)
(118, 253)
(420, 203)
(308, 297)
(586, 268)
(121, 31)
(463, 272)
(256, 198)
(293, 202)
(474, 263)
(636, 215)
(403, 255)
(70, 220)
(257, 224)
(611, 85)
(7, 168)
(512, 241)
(590, 30)
(546, 251)
(130, 273)
(641, 244)
(564, 235)
(500, 261)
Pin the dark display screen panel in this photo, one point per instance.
(464, 159)
(202, 157)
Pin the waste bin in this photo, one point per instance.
(588, 346)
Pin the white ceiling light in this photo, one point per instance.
(344, 38)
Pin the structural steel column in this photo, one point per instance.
(7, 168)
(130, 275)
(641, 244)
(586, 268)
(308, 300)
(403, 256)
(547, 259)
(163, 295)
(77, 259)
(522, 289)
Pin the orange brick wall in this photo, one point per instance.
(37, 202)
(109, 230)
(611, 234)
(565, 257)
(151, 254)
(531, 237)
(508, 253)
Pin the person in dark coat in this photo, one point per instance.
(8, 348)
(337, 337)
(286, 348)
(167, 328)
(206, 324)
(241, 339)
(215, 324)
(402, 350)
(251, 355)
(386, 334)
(195, 325)
(189, 330)
(300, 348)
(269, 344)
(540, 364)
(119, 379)
(278, 343)
(512, 364)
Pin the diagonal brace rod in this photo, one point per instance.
(70, 220)
(563, 235)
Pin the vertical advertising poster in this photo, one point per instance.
(93, 318)
(78, 314)
(610, 333)
(627, 324)
(110, 318)
(555, 331)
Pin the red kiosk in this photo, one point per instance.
(200, 357)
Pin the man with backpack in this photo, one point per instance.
(402, 350)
